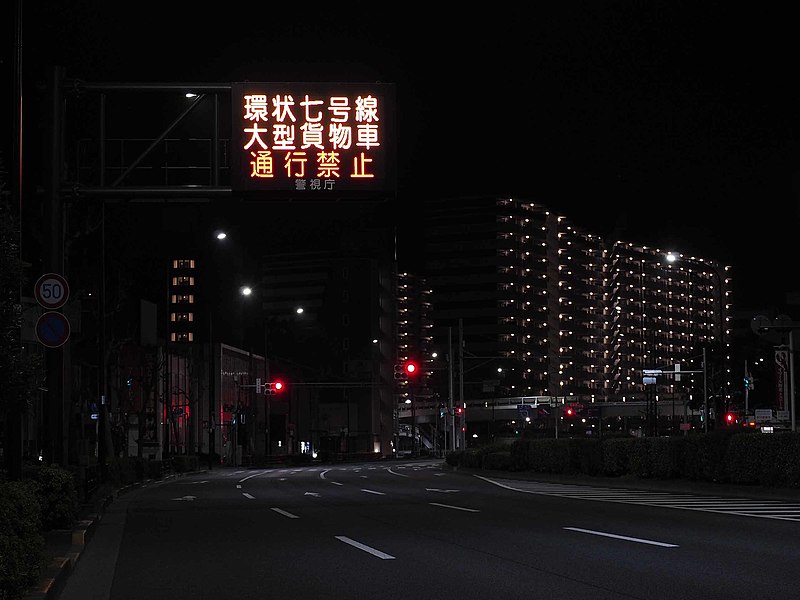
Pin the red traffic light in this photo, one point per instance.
(411, 368)
(459, 410)
(570, 411)
(277, 386)
(730, 418)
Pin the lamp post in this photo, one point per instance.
(672, 257)
(268, 390)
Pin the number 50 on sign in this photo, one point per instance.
(51, 291)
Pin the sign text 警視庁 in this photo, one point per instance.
(313, 139)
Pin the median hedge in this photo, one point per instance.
(721, 456)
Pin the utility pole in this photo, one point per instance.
(461, 378)
(450, 408)
(705, 392)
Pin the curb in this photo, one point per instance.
(55, 574)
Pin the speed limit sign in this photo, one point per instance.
(51, 291)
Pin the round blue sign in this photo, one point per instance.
(52, 329)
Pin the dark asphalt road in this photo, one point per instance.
(417, 529)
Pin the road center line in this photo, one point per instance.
(454, 507)
(284, 513)
(622, 537)
(363, 547)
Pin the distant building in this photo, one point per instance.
(547, 309)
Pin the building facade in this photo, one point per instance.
(546, 309)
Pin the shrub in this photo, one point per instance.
(520, 455)
(22, 547)
(548, 456)
(57, 494)
(616, 455)
(585, 456)
(705, 456)
(499, 460)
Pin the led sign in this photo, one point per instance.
(313, 140)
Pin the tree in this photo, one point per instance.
(18, 370)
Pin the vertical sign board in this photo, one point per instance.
(781, 376)
(313, 140)
(52, 292)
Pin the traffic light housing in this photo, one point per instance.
(400, 372)
(406, 371)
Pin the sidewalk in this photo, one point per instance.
(64, 547)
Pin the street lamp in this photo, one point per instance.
(298, 310)
(714, 269)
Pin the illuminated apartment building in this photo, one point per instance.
(547, 309)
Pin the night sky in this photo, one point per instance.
(670, 123)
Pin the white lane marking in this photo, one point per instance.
(393, 473)
(363, 476)
(322, 475)
(365, 548)
(187, 498)
(284, 513)
(243, 479)
(193, 482)
(246, 495)
(763, 509)
(336, 483)
(438, 474)
(622, 537)
(440, 490)
(281, 478)
(315, 494)
(453, 507)
(238, 486)
(373, 492)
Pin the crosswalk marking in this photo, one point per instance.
(764, 509)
